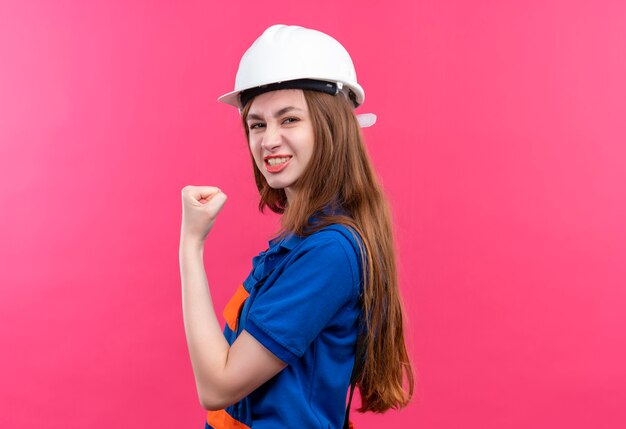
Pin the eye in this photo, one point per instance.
(290, 120)
(256, 125)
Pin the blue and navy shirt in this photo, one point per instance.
(301, 301)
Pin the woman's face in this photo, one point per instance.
(281, 136)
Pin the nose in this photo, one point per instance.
(272, 138)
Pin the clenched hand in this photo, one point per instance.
(201, 205)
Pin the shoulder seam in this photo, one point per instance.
(343, 241)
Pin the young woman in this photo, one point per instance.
(288, 353)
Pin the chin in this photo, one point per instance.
(277, 187)
(278, 184)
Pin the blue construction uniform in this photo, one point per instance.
(301, 302)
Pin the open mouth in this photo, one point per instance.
(274, 164)
(276, 161)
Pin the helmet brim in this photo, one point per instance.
(232, 98)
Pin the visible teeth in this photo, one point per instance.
(276, 161)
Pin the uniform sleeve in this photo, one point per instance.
(318, 281)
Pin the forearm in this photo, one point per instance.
(224, 374)
(208, 348)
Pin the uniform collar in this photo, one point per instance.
(288, 242)
(291, 240)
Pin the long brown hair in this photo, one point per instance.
(340, 176)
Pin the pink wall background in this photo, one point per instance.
(500, 143)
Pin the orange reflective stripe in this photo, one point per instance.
(222, 420)
(231, 311)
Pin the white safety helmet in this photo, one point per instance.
(293, 57)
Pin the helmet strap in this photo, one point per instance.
(314, 85)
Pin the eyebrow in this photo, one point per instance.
(276, 115)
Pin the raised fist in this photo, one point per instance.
(201, 205)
